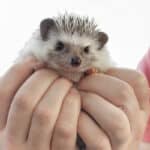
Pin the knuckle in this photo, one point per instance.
(22, 102)
(41, 72)
(125, 91)
(74, 94)
(43, 115)
(121, 131)
(122, 125)
(46, 71)
(65, 131)
(64, 81)
(122, 137)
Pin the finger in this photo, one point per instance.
(46, 113)
(93, 136)
(114, 90)
(10, 83)
(25, 101)
(111, 119)
(137, 81)
(65, 131)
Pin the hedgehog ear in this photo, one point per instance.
(102, 38)
(45, 26)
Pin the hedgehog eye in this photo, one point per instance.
(87, 49)
(59, 46)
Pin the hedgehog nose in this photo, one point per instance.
(75, 61)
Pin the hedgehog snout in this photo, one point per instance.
(75, 61)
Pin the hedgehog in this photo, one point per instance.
(70, 44)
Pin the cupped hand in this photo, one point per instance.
(38, 110)
(116, 109)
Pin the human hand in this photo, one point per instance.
(37, 110)
(118, 101)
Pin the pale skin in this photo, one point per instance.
(37, 113)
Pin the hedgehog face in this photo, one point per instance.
(69, 55)
(72, 50)
(73, 53)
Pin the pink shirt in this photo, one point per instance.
(144, 66)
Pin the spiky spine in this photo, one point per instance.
(71, 24)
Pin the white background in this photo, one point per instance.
(127, 23)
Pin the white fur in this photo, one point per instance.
(39, 48)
